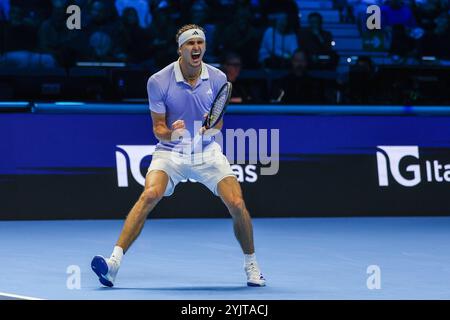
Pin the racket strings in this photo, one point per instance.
(217, 108)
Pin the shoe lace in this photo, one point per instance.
(253, 270)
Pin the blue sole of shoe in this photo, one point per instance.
(255, 285)
(100, 268)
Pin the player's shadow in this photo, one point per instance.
(185, 288)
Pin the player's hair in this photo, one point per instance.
(185, 28)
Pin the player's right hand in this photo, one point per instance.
(179, 124)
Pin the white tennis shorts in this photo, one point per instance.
(208, 167)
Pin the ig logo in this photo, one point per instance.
(393, 155)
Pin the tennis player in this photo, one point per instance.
(180, 94)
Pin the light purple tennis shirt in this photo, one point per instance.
(169, 93)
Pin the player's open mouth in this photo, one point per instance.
(195, 56)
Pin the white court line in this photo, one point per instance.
(16, 296)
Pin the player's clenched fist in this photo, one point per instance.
(179, 124)
(203, 129)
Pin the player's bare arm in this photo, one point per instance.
(160, 129)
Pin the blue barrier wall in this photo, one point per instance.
(66, 161)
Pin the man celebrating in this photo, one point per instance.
(179, 95)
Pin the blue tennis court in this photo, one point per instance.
(302, 258)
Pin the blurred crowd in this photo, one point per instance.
(263, 33)
(241, 34)
(412, 28)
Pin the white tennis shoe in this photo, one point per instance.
(105, 269)
(254, 275)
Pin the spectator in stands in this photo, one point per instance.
(437, 42)
(398, 22)
(318, 43)
(426, 12)
(224, 11)
(4, 16)
(396, 12)
(141, 8)
(200, 15)
(345, 11)
(361, 85)
(54, 37)
(270, 7)
(298, 86)
(4, 10)
(280, 40)
(242, 92)
(136, 41)
(246, 44)
(34, 11)
(102, 38)
(162, 42)
(20, 42)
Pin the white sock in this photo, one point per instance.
(250, 258)
(117, 254)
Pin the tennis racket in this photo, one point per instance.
(217, 110)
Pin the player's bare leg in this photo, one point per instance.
(230, 192)
(155, 185)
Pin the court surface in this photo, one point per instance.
(302, 258)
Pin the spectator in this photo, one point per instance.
(426, 12)
(199, 16)
(279, 41)
(395, 12)
(4, 10)
(102, 38)
(136, 41)
(4, 16)
(140, 6)
(242, 93)
(298, 86)
(398, 22)
(20, 43)
(34, 11)
(161, 32)
(361, 85)
(246, 44)
(318, 42)
(437, 42)
(54, 37)
(345, 11)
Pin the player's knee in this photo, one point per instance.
(151, 196)
(236, 203)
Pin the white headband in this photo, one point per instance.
(189, 34)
